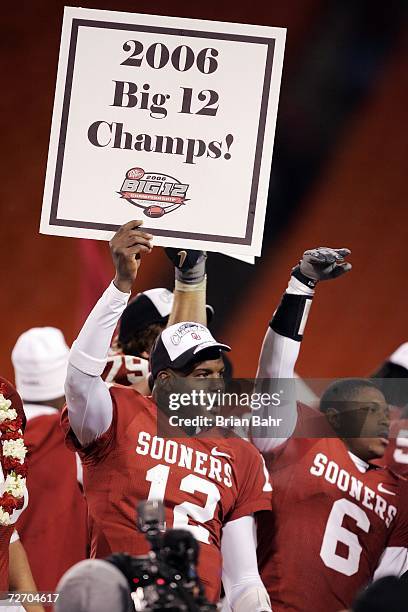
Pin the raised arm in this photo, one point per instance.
(88, 399)
(190, 286)
(281, 345)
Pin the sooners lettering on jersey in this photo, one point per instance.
(329, 526)
(202, 482)
(125, 369)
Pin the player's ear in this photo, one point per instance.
(163, 380)
(162, 387)
(163, 375)
(333, 416)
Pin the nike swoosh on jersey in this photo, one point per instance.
(182, 255)
(216, 453)
(384, 490)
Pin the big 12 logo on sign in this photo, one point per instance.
(157, 194)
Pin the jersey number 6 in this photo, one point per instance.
(335, 532)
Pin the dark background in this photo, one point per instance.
(339, 179)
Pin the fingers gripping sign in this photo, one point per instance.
(127, 246)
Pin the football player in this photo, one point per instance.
(53, 528)
(337, 520)
(209, 483)
(141, 322)
(147, 315)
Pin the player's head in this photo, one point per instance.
(186, 358)
(144, 318)
(142, 321)
(359, 414)
(187, 350)
(40, 359)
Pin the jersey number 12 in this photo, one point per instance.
(158, 477)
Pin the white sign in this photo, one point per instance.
(164, 119)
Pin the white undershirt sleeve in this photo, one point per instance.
(14, 537)
(277, 364)
(90, 350)
(89, 405)
(88, 399)
(393, 562)
(243, 586)
(278, 356)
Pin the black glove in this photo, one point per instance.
(321, 264)
(189, 264)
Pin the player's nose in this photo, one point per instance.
(385, 420)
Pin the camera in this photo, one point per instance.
(164, 580)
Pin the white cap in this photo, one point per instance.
(40, 359)
(178, 344)
(162, 300)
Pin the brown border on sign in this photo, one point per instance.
(76, 24)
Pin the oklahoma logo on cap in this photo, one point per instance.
(180, 343)
(186, 328)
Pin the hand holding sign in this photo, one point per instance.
(127, 245)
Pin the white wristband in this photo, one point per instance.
(296, 287)
(180, 286)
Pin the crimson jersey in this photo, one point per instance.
(329, 526)
(125, 369)
(9, 392)
(202, 482)
(5, 536)
(53, 527)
